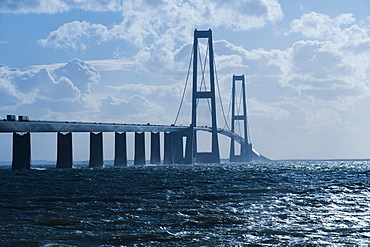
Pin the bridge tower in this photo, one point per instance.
(214, 155)
(245, 147)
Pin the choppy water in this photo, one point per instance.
(287, 204)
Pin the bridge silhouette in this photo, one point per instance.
(180, 143)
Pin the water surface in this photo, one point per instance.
(269, 204)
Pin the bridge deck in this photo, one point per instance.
(53, 126)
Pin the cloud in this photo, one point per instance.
(57, 6)
(144, 22)
(143, 103)
(71, 34)
(332, 62)
(112, 64)
(100, 65)
(82, 74)
(41, 92)
(64, 93)
(340, 33)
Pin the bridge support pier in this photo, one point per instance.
(139, 158)
(120, 150)
(188, 134)
(64, 152)
(21, 151)
(168, 148)
(179, 138)
(155, 155)
(178, 147)
(96, 149)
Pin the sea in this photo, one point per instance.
(285, 203)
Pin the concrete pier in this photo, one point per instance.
(178, 147)
(168, 148)
(139, 158)
(155, 151)
(21, 151)
(96, 149)
(64, 150)
(120, 150)
(182, 156)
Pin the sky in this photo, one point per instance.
(306, 65)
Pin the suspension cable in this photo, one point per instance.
(196, 103)
(246, 113)
(184, 91)
(239, 106)
(219, 95)
(228, 113)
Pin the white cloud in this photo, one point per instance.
(320, 26)
(63, 93)
(71, 35)
(57, 6)
(144, 22)
(41, 92)
(82, 74)
(112, 64)
(100, 65)
(61, 90)
(332, 63)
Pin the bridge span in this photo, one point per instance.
(180, 142)
(175, 137)
(57, 126)
(65, 127)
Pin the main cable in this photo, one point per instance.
(219, 94)
(186, 83)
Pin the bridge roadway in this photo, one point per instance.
(172, 143)
(55, 126)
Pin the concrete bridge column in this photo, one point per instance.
(155, 155)
(64, 150)
(179, 139)
(178, 148)
(188, 159)
(21, 151)
(168, 148)
(120, 154)
(139, 158)
(250, 152)
(96, 149)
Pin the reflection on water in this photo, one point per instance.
(293, 203)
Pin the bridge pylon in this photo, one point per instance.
(245, 147)
(214, 155)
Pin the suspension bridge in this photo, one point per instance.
(180, 143)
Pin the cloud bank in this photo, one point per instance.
(145, 20)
